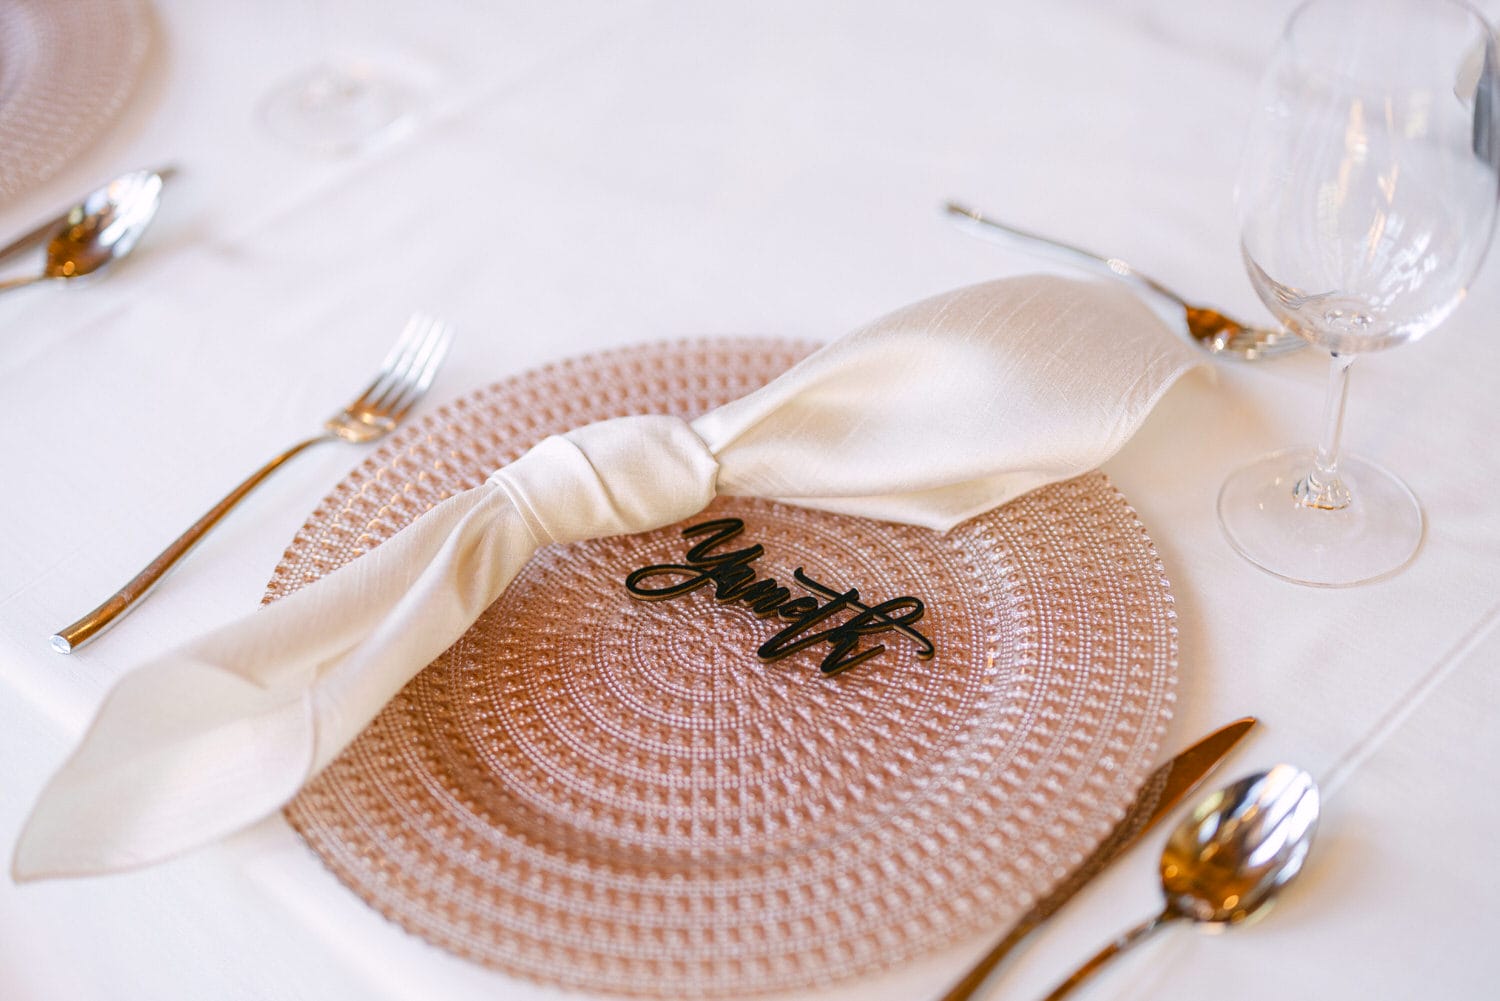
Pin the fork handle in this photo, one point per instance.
(71, 637)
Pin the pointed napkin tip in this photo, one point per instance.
(38, 858)
(25, 867)
(39, 855)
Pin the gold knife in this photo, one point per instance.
(1162, 791)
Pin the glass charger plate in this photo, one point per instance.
(618, 795)
(65, 71)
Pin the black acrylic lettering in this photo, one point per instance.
(734, 579)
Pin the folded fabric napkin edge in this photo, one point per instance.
(1020, 396)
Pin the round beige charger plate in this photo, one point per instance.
(616, 795)
(66, 68)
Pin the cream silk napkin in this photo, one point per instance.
(929, 416)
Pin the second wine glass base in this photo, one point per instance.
(337, 110)
(1375, 536)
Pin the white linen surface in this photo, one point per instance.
(590, 175)
(1005, 386)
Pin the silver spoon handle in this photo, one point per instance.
(1104, 955)
(1114, 264)
(73, 636)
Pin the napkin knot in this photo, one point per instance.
(616, 477)
(927, 417)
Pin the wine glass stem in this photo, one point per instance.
(1321, 487)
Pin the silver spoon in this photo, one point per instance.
(1210, 329)
(100, 229)
(1226, 862)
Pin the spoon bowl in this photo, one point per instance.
(99, 230)
(1226, 862)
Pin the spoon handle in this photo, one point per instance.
(1110, 951)
(1119, 267)
(35, 237)
(11, 283)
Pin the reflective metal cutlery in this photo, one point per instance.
(403, 378)
(1228, 860)
(99, 230)
(1210, 329)
(1158, 796)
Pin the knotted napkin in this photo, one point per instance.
(929, 416)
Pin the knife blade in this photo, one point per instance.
(1161, 792)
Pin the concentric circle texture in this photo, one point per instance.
(66, 69)
(615, 795)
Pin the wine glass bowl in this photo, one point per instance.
(338, 106)
(1367, 199)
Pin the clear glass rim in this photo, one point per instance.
(1461, 12)
(1459, 8)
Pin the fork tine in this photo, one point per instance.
(417, 386)
(411, 368)
(397, 360)
(414, 337)
(389, 364)
(404, 377)
(410, 362)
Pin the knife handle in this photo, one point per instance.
(965, 988)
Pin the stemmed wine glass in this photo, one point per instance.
(336, 107)
(1367, 198)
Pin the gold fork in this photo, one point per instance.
(403, 378)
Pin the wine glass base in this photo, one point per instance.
(337, 110)
(1375, 536)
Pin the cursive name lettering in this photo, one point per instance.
(810, 618)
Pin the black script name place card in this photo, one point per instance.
(813, 618)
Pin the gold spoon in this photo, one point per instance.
(99, 230)
(1226, 862)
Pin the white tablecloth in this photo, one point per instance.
(589, 175)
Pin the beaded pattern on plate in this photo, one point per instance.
(65, 71)
(618, 796)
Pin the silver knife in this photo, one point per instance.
(1157, 797)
